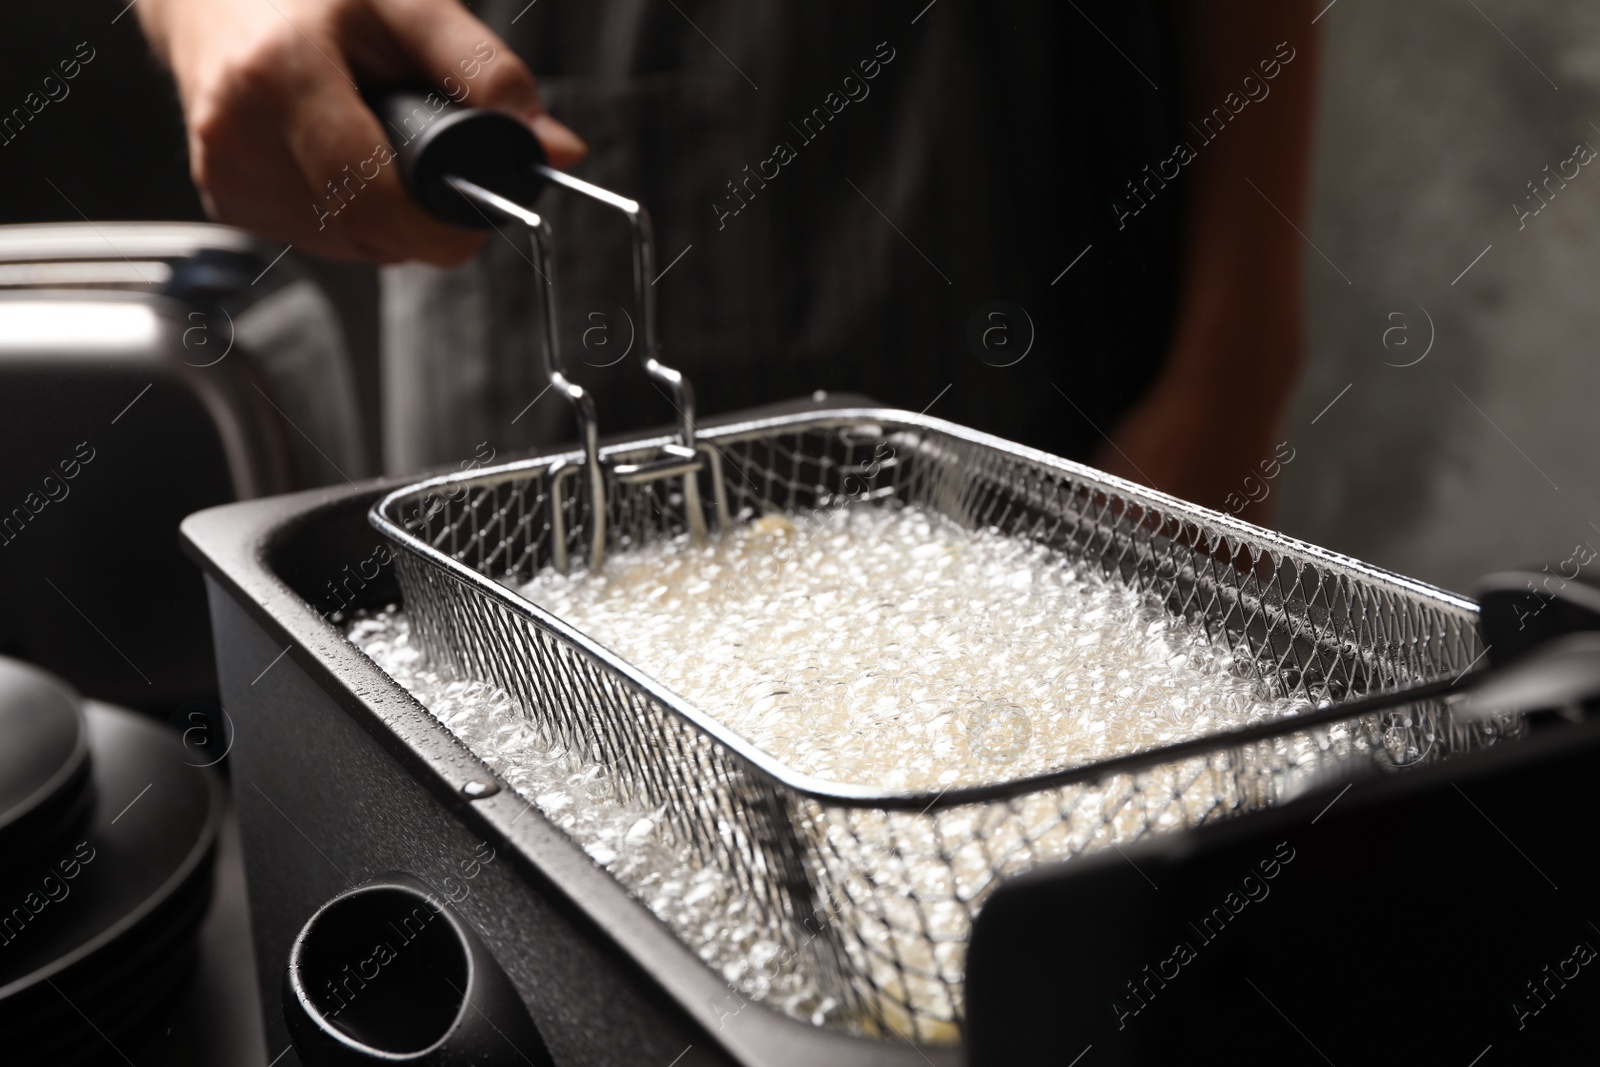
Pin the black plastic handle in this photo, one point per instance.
(1521, 609)
(434, 139)
(389, 973)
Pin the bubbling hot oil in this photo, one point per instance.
(880, 646)
(631, 840)
(890, 647)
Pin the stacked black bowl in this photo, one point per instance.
(108, 826)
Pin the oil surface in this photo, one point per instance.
(892, 648)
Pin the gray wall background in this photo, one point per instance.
(1483, 455)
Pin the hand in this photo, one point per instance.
(280, 141)
(1204, 447)
(1210, 431)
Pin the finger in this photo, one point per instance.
(460, 55)
(247, 176)
(267, 195)
(345, 158)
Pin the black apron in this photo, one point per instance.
(856, 191)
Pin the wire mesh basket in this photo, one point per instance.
(877, 892)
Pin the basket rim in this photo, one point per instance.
(845, 794)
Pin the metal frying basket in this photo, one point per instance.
(873, 893)
(878, 891)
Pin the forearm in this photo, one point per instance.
(1239, 321)
(1214, 414)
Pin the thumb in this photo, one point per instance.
(457, 53)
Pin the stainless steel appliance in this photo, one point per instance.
(147, 370)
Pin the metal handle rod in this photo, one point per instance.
(643, 263)
(645, 294)
(582, 400)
